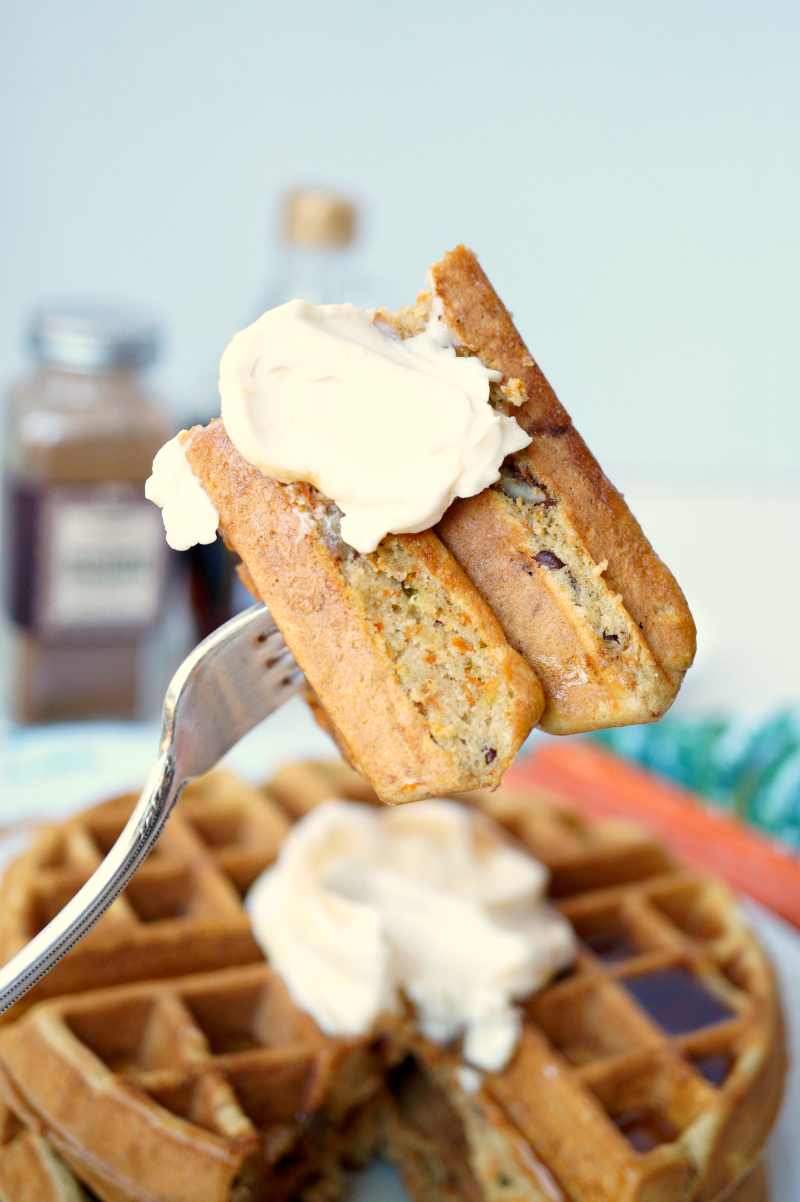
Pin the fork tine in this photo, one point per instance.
(236, 677)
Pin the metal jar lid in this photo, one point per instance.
(87, 337)
(312, 217)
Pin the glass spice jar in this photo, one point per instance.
(84, 553)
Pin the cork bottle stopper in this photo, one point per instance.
(313, 217)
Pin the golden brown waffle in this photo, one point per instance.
(30, 1171)
(660, 1057)
(431, 1152)
(206, 1088)
(183, 910)
(650, 1072)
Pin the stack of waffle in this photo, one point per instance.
(163, 1061)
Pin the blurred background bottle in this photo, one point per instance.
(85, 558)
(317, 261)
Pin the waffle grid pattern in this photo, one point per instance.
(644, 1054)
(235, 1070)
(651, 1025)
(181, 913)
(649, 1072)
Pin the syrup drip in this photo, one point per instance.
(715, 1068)
(610, 946)
(676, 1000)
(645, 1129)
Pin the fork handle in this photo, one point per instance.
(104, 886)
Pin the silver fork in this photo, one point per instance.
(235, 678)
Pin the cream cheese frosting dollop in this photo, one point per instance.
(363, 903)
(189, 516)
(392, 430)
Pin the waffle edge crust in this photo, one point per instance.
(650, 1072)
(553, 547)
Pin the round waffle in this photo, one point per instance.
(650, 1072)
(181, 913)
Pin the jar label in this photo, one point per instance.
(85, 558)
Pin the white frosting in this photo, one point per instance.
(468, 1079)
(189, 517)
(392, 430)
(428, 899)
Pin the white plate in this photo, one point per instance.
(48, 772)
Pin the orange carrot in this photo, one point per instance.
(601, 784)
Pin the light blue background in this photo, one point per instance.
(628, 172)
